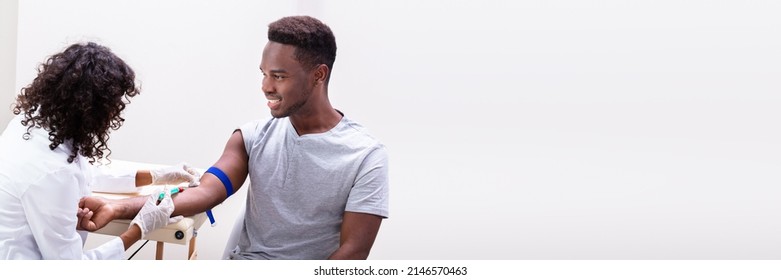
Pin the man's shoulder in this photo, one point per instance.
(259, 122)
(262, 125)
(359, 133)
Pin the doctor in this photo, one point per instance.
(47, 153)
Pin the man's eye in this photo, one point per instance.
(278, 77)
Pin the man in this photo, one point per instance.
(318, 180)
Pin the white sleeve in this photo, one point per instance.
(50, 206)
(113, 179)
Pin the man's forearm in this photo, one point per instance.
(128, 208)
(357, 236)
(348, 253)
(207, 195)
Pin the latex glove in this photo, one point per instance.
(173, 175)
(153, 216)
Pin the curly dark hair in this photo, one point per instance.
(314, 41)
(78, 95)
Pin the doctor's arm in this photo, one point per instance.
(168, 175)
(125, 180)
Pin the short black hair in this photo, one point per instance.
(315, 43)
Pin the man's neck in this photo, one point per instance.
(317, 121)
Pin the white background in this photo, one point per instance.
(516, 129)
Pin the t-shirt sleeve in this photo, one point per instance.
(248, 130)
(370, 192)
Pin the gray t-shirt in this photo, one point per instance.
(300, 187)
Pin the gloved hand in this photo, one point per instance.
(175, 174)
(153, 216)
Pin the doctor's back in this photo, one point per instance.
(35, 180)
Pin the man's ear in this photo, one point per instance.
(321, 73)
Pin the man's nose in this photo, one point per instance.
(266, 86)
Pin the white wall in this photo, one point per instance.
(197, 62)
(8, 22)
(541, 130)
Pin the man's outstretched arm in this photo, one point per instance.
(210, 193)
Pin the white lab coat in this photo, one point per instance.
(39, 195)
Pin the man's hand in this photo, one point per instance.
(94, 213)
(82, 214)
